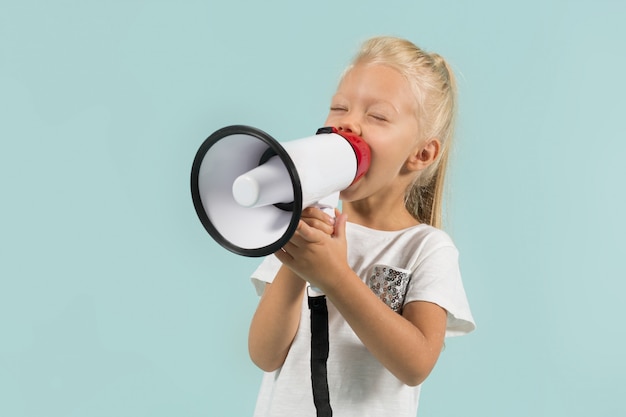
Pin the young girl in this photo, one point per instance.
(390, 275)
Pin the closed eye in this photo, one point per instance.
(378, 117)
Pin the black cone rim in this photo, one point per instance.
(199, 207)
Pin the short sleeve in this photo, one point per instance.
(437, 279)
(265, 273)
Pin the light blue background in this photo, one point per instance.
(115, 302)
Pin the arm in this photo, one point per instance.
(276, 320)
(407, 345)
(277, 317)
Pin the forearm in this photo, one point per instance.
(395, 341)
(276, 320)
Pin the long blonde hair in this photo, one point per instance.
(434, 87)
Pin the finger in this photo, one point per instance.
(313, 211)
(316, 213)
(320, 225)
(340, 226)
(306, 234)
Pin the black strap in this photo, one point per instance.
(319, 355)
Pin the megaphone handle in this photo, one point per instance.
(328, 204)
(313, 291)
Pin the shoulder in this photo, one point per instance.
(417, 238)
(430, 236)
(407, 249)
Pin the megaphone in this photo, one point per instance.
(249, 190)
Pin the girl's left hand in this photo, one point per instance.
(315, 255)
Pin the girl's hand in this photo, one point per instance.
(316, 255)
(317, 219)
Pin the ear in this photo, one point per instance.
(424, 155)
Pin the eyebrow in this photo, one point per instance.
(369, 101)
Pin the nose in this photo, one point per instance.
(350, 125)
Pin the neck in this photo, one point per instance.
(379, 215)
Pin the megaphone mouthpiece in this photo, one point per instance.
(266, 184)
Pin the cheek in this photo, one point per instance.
(387, 158)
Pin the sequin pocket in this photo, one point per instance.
(389, 284)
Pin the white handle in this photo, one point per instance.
(327, 205)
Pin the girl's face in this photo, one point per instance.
(376, 102)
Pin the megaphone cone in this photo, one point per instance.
(249, 190)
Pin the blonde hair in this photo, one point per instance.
(434, 87)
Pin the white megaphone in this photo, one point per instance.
(249, 190)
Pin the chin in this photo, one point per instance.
(348, 195)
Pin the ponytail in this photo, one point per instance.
(424, 199)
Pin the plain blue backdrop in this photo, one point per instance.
(114, 301)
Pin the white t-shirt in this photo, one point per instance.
(416, 264)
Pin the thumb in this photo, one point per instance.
(340, 226)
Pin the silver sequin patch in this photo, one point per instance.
(389, 284)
